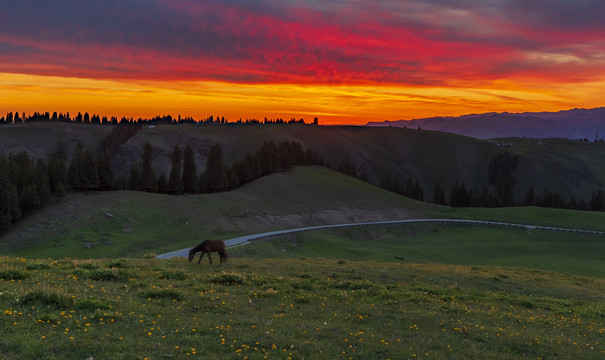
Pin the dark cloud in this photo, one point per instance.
(412, 42)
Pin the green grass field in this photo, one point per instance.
(294, 309)
(579, 254)
(460, 292)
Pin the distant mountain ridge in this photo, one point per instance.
(570, 124)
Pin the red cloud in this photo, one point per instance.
(412, 43)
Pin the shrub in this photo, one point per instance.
(149, 256)
(90, 266)
(91, 304)
(12, 274)
(116, 264)
(48, 299)
(38, 266)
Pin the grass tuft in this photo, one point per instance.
(47, 299)
(12, 274)
(171, 294)
(91, 304)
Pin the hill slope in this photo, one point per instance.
(566, 167)
(109, 224)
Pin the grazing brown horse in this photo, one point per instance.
(208, 246)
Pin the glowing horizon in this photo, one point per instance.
(344, 62)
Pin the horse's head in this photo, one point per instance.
(191, 255)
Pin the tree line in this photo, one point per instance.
(27, 184)
(499, 192)
(86, 118)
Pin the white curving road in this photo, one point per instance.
(245, 239)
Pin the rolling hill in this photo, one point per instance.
(125, 223)
(567, 167)
(132, 224)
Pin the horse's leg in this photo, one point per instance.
(201, 255)
(210, 257)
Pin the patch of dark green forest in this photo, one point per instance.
(27, 184)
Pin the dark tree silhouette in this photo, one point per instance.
(106, 175)
(175, 181)
(216, 173)
(597, 201)
(41, 181)
(190, 181)
(148, 178)
(76, 170)
(530, 197)
(439, 195)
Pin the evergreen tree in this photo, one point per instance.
(500, 174)
(148, 179)
(285, 155)
(5, 200)
(57, 173)
(175, 181)
(439, 195)
(41, 181)
(460, 196)
(106, 175)
(29, 199)
(90, 175)
(135, 181)
(597, 201)
(162, 184)
(190, 181)
(15, 207)
(77, 166)
(216, 173)
(269, 157)
(504, 191)
(21, 170)
(530, 197)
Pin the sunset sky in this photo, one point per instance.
(343, 61)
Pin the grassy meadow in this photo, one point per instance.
(579, 254)
(304, 308)
(77, 283)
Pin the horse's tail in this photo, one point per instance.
(224, 254)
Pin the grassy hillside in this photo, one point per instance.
(301, 309)
(142, 222)
(41, 139)
(554, 165)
